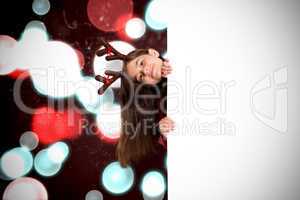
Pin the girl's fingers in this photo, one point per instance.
(167, 125)
(166, 72)
(166, 67)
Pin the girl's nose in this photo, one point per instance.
(146, 69)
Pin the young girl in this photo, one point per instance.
(143, 121)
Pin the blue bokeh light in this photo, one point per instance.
(41, 7)
(155, 15)
(44, 165)
(58, 152)
(116, 179)
(94, 195)
(153, 184)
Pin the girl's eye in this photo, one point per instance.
(141, 77)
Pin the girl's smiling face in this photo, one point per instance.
(146, 68)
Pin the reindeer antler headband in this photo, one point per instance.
(111, 76)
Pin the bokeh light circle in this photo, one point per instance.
(29, 140)
(116, 179)
(25, 188)
(44, 165)
(16, 162)
(109, 120)
(109, 15)
(58, 70)
(35, 32)
(7, 45)
(156, 15)
(41, 7)
(153, 184)
(52, 126)
(87, 94)
(81, 59)
(94, 195)
(58, 152)
(29, 50)
(135, 28)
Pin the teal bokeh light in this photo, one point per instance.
(35, 31)
(153, 184)
(16, 162)
(94, 195)
(58, 152)
(44, 165)
(155, 15)
(41, 7)
(116, 179)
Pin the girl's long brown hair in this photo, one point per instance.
(138, 130)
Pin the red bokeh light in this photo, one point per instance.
(109, 15)
(51, 125)
(18, 73)
(80, 58)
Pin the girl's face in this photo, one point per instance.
(146, 68)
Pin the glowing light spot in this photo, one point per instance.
(7, 44)
(25, 188)
(100, 64)
(94, 195)
(80, 58)
(18, 73)
(52, 126)
(116, 179)
(135, 28)
(28, 52)
(44, 165)
(153, 184)
(109, 121)
(58, 152)
(29, 140)
(16, 162)
(87, 94)
(35, 32)
(58, 70)
(41, 7)
(109, 15)
(156, 15)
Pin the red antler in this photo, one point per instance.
(113, 54)
(111, 76)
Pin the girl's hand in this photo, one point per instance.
(166, 69)
(166, 125)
